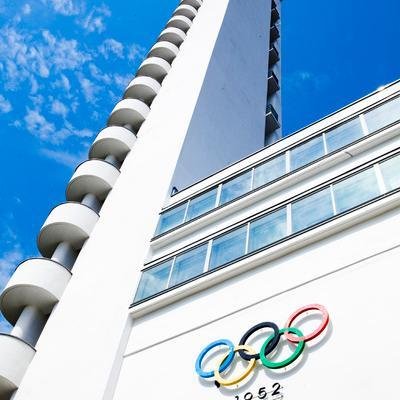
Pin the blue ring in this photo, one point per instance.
(227, 362)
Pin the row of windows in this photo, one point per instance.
(277, 167)
(296, 216)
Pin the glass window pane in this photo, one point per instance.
(188, 265)
(236, 187)
(153, 280)
(170, 219)
(311, 210)
(269, 171)
(343, 135)
(268, 229)
(228, 247)
(201, 204)
(383, 115)
(306, 153)
(391, 173)
(356, 190)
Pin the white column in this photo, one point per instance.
(29, 325)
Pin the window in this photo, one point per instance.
(384, 115)
(343, 135)
(201, 204)
(391, 173)
(171, 218)
(236, 187)
(268, 229)
(311, 210)
(188, 265)
(355, 190)
(306, 152)
(269, 171)
(228, 247)
(153, 280)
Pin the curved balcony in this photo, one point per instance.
(37, 282)
(194, 3)
(155, 67)
(93, 176)
(180, 22)
(143, 88)
(114, 140)
(129, 112)
(173, 35)
(16, 355)
(69, 222)
(186, 10)
(165, 50)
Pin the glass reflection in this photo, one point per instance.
(236, 187)
(306, 152)
(343, 135)
(153, 280)
(355, 190)
(188, 265)
(201, 204)
(269, 171)
(311, 210)
(268, 229)
(228, 247)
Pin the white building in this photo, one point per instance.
(310, 219)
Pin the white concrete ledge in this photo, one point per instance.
(173, 35)
(94, 176)
(194, 3)
(114, 140)
(129, 112)
(37, 282)
(155, 67)
(186, 10)
(16, 355)
(180, 22)
(143, 88)
(69, 222)
(165, 50)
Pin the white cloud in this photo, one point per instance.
(89, 89)
(25, 57)
(65, 158)
(5, 105)
(136, 52)
(38, 125)
(111, 47)
(59, 108)
(8, 262)
(26, 9)
(66, 7)
(94, 20)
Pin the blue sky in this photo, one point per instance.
(65, 63)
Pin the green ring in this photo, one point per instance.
(281, 364)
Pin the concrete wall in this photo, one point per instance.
(228, 122)
(354, 274)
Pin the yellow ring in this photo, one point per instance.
(246, 372)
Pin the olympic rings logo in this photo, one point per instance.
(248, 353)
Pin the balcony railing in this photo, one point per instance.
(274, 33)
(273, 55)
(273, 83)
(272, 119)
(274, 15)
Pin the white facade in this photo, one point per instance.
(335, 187)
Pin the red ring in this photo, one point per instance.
(312, 335)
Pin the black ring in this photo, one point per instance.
(271, 345)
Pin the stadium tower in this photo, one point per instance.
(196, 104)
(193, 221)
